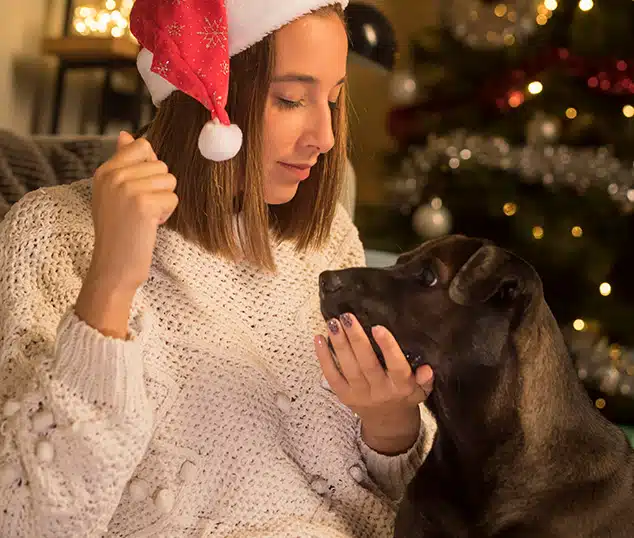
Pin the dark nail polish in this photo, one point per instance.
(333, 326)
(346, 319)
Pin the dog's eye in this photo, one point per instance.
(428, 277)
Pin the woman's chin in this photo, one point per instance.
(280, 195)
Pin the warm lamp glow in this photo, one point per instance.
(110, 18)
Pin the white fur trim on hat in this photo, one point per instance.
(158, 87)
(250, 22)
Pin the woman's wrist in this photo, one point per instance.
(104, 307)
(391, 433)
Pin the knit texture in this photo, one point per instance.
(210, 421)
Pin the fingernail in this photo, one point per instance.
(346, 319)
(333, 326)
(320, 341)
(378, 330)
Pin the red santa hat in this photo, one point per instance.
(186, 45)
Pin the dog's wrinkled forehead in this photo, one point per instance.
(453, 251)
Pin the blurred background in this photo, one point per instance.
(511, 120)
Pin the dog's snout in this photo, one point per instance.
(329, 281)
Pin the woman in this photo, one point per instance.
(157, 371)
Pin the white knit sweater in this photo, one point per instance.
(212, 421)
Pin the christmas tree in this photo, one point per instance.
(521, 130)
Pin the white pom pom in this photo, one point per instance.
(218, 142)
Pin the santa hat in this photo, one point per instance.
(186, 45)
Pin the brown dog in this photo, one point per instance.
(519, 451)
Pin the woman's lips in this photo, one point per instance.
(301, 172)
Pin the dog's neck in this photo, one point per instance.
(483, 447)
(470, 428)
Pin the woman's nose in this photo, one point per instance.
(323, 135)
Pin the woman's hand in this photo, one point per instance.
(132, 195)
(386, 400)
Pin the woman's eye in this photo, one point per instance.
(428, 277)
(288, 104)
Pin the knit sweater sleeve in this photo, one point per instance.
(76, 419)
(391, 473)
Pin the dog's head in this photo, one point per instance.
(452, 303)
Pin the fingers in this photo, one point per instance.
(346, 355)
(360, 376)
(332, 374)
(128, 152)
(425, 379)
(151, 197)
(158, 205)
(398, 369)
(141, 171)
(167, 201)
(368, 362)
(124, 139)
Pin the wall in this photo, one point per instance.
(20, 27)
(27, 78)
(370, 98)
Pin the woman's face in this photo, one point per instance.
(310, 65)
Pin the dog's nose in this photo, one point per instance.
(329, 281)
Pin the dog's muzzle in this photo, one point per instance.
(331, 292)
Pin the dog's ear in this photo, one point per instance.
(492, 271)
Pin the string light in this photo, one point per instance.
(516, 99)
(586, 5)
(571, 113)
(500, 10)
(576, 231)
(535, 87)
(538, 232)
(605, 289)
(112, 19)
(485, 24)
(579, 324)
(509, 209)
(628, 111)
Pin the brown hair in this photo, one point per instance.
(207, 190)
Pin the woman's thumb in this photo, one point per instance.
(124, 139)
